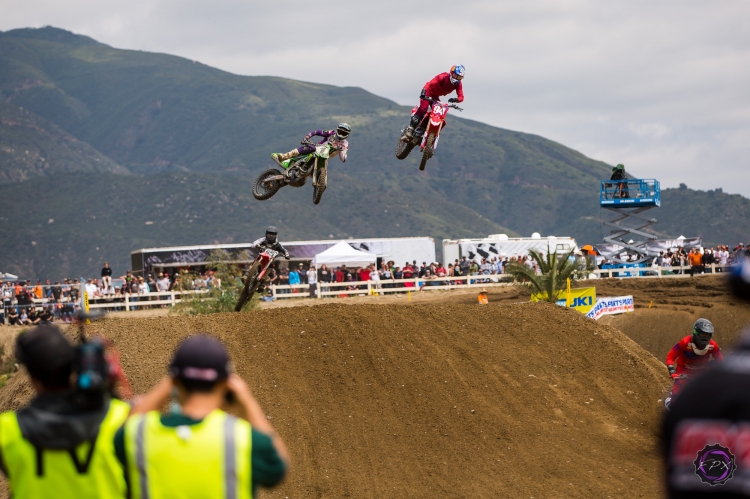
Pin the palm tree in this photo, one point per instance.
(554, 273)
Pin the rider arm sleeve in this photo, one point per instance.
(268, 468)
(460, 91)
(716, 352)
(673, 354)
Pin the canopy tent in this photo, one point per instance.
(343, 254)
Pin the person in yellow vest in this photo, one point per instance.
(482, 298)
(61, 444)
(199, 450)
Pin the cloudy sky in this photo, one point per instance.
(661, 86)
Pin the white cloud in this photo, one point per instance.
(659, 86)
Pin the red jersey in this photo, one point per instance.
(686, 357)
(441, 85)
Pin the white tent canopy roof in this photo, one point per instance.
(343, 254)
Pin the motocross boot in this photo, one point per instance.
(280, 157)
(409, 132)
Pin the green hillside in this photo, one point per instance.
(182, 130)
(31, 146)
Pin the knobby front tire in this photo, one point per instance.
(320, 185)
(427, 153)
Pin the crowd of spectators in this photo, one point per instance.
(386, 275)
(27, 304)
(24, 303)
(695, 260)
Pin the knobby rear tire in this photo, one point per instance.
(320, 185)
(427, 153)
(261, 192)
(247, 292)
(403, 148)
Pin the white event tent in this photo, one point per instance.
(343, 254)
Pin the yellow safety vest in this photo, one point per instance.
(60, 472)
(210, 459)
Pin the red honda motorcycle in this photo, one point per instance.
(427, 132)
(253, 277)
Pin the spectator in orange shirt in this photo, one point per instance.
(696, 262)
(38, 292)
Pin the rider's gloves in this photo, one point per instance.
(304, 141)
(452, 99)
(423, 95)
(287, 256)
(672, 370)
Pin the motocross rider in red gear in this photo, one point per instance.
(442, 84)
(690, 356)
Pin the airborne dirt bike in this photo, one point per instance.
(253, 277)
(427, 140)
(296, 171)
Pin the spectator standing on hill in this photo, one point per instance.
(91, 289)
(106, 275)
(398, 273)
(57, 292)
(293, 279)
(162, 286)
(133, 292)
(695, 259)
(324, 275)
(284, 280)
(312, 280)
(38, 291)
(465, 266)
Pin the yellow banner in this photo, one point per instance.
(581, 299)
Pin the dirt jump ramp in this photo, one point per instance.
(526, 400)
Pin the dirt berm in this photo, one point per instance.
(507, 400)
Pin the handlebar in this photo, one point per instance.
(430, 99)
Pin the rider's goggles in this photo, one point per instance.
(704, 336)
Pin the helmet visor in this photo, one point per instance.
(270, 237)
(342, 134)
(704, 337)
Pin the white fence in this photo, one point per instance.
(683, 271)
(364, 288)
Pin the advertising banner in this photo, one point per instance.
(611, 306)
(581, 299)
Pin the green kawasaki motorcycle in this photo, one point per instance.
(296, 171)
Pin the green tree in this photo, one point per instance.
(221, 294)
(555, 271)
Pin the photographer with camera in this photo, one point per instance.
(60, 445)
(199, 450)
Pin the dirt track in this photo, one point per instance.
(526, 400)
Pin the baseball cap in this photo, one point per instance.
(44, 350)
(200, 358)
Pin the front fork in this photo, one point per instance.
(320, 163)
(427, 134)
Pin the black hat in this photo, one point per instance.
(200, 358)
(44, 349)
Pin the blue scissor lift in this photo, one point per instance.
(628, 199)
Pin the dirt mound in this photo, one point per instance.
(526, 400)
